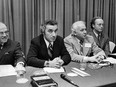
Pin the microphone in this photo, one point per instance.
(68, 80)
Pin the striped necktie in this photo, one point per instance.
(50, 50)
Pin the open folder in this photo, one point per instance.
(7, 70)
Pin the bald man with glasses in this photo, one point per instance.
(10, 51)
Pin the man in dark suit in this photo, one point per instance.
(10, 51)
(100, 38)
(40, 55)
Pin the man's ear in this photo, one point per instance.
(42, 27)
(93, 25)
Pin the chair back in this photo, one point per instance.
(112, 45)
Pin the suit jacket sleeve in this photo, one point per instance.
(32, 57)
(65, 54)
(19, 55)
(106, 47)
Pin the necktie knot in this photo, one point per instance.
(81, 42)
(1, 46)
(50, 46)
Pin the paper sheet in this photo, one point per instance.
(7, 70)
(80, 72)
(113, 54)
(111, 60)
(53, 70)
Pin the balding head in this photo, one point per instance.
(79, 29)
(2, 26)
(4, 33)
(78, 24)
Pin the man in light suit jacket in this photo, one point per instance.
(10, 51)
(100, 38)
(81, 46)
(39, 54)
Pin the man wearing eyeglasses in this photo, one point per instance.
(10, 51)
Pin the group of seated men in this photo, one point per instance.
(51, 50)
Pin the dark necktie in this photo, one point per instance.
(1, 46)
(50, 50)
(99, 35)
(81, 47)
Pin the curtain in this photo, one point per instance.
(24, 17)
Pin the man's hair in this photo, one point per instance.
(48, 22)
(77, 24)
(93, 21)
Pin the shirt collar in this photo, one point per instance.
(47, 43)
(95, 33)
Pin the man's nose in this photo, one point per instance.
(53, 34)
(85, 31)
(102, 26)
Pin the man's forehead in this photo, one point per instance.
(78, 24)
(99, 21)
(80, 27)
(52, 27)
(3, 29)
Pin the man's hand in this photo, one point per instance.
(57, 62)
(20, 69)
(97, 59)
(92, 59)
(100, 58)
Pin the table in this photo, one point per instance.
(105, 75)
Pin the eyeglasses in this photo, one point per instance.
(6, 32)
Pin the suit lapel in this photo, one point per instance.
(44, 47)
(85, 48)
(56, 48)
(101, 40)
(88, 45)
(96, 39)
(77, 45)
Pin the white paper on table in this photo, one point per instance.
(7, 70)
(113, 54)
(53, 70)
(111, 60)
(80, 72)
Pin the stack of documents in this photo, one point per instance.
(53, 70)
(7, 70)
(80, 72)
